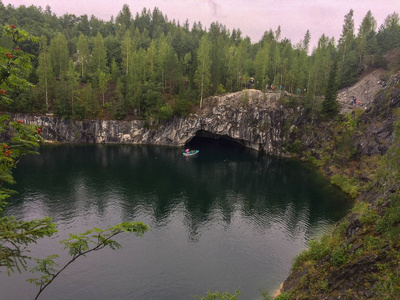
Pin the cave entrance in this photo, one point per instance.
(207, 139)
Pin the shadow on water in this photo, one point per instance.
(160, 178)
(254, 210)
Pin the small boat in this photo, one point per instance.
(190, 152)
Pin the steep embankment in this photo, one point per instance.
(360, 258)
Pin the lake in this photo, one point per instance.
(226, 219)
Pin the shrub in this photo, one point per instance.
(339, 256)
(220, 90)
(283, 296)
(349, 186)
(389, 223)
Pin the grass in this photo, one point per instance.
(348, 185)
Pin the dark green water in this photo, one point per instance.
(227, 219)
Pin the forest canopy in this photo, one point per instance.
(148, 67)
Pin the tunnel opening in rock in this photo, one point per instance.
(206, 138)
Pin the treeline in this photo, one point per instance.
(145, 66)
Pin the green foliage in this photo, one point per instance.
(283, 296)
(315, 252)
(165, 113)
(15, 236)
(181, 107)
(295, 147)
(388, 173)
(368, 216)
(220, 90)
(341, 227)
(149, 49)
(244, 98)
(339, 256)
(348, 185)
(330, 105)
(80, 245)
(388, 278)
(220, 296)
(289, 101)
(389, 224)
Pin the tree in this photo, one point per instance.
(330, 105)
(203, 74)
(16, 236)
(83, 54)
(367, 28)
(59, 55)
(389, 33)
(99, 55)
(347, 49)
(103, 84)
(45, 70)
(126, 48)
(72, 82)
(124, 17)
(261, 66)
(306, 41)
(79, 245)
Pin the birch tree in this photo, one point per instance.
(203, 74)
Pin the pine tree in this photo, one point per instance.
(330, 105)
(367, 29)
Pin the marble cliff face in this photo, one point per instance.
(251, 118)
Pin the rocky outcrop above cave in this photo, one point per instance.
(251, 118)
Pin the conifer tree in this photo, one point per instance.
(330, 105)
(367, 29)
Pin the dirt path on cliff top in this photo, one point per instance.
(364, 90)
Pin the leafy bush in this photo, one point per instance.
(220, 296)
(283, 296)
(315, 252)
(165, 112)
(181, 107)
(389, 224)
(295, 147)
(220, 90)
(339, 256)
(348, 185)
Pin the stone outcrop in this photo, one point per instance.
(251, 118)
(378, 120)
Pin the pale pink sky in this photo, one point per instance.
(252, 17)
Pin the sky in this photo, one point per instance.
(252, 17)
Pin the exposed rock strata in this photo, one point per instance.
(252, 118)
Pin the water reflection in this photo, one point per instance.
(224, 219)
(72, 179)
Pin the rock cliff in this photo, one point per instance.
(251, 118)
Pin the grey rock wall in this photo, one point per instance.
(251, 118)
